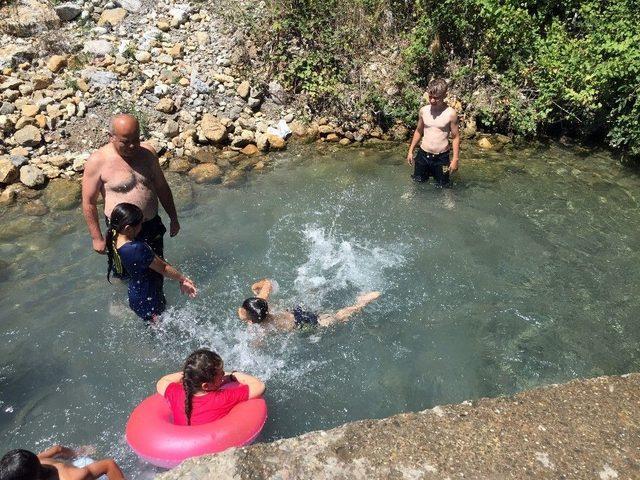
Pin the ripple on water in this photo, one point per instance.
(522, 274)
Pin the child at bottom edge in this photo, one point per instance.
(22, 464)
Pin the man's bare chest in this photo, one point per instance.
(440, 120)
(123, 178)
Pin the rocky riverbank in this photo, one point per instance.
(179, 67)
(585, 429)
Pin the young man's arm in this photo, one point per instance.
(164, 193)
(417, 135)
(455, 142)
(105, 467)
(91, 186)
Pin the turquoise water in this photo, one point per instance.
(525, 273)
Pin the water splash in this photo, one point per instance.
(336, 262)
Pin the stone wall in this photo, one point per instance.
(583, 429)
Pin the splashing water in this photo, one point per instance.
(336, 263)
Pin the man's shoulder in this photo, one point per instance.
(149, 147)
(100, 155)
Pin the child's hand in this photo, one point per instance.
(256, 287)
(187, 287)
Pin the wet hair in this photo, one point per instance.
(20, 464)
(257, 309)
(437, 88)
(122, 215)
(200, 367)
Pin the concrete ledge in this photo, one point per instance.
(582, 429)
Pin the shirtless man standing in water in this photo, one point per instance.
(126, 170)
(436, 123)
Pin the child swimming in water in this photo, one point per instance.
(50, 465)
(145, 268)
(195, 394)
(256, 310)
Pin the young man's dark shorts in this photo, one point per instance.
(152, 234)
(434, 165)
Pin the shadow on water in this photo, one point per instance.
(520, 275)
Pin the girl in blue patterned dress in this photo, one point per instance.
(144, 267)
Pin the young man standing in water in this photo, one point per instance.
(436, 123)
(126, 170)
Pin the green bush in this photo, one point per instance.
(549, 65)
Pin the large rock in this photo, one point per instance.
(212, 128)
(243, 90)
(133, 6)
(6, 125)
(35, 208)
(56, 63)
(98, 47)
(68, 11)
(166, 105)
(250, 150)
(31, 176)
(276, 142)
(485, 144)
(277, 93)
(113, 17)
(179, 165)
(62, 194)
(10, 83)
(13, 55)
(23, 18)
(28, 136)
(206, 173)
(8, 171)
(101, 78)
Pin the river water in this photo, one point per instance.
(525, 273)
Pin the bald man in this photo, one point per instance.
(126, 170)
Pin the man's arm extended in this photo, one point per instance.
(455, 142)
(164, 194)
(417, 135)
(91, 185)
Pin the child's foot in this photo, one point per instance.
(365, 298)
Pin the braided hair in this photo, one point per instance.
(200, 367)
(122, 215)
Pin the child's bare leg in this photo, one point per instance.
(343, 314)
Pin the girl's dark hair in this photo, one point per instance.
(200, 367)
(256, 308)
(20, 464)
(122, 215)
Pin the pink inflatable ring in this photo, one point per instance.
(154, 437)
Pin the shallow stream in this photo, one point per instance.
(524, 273)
